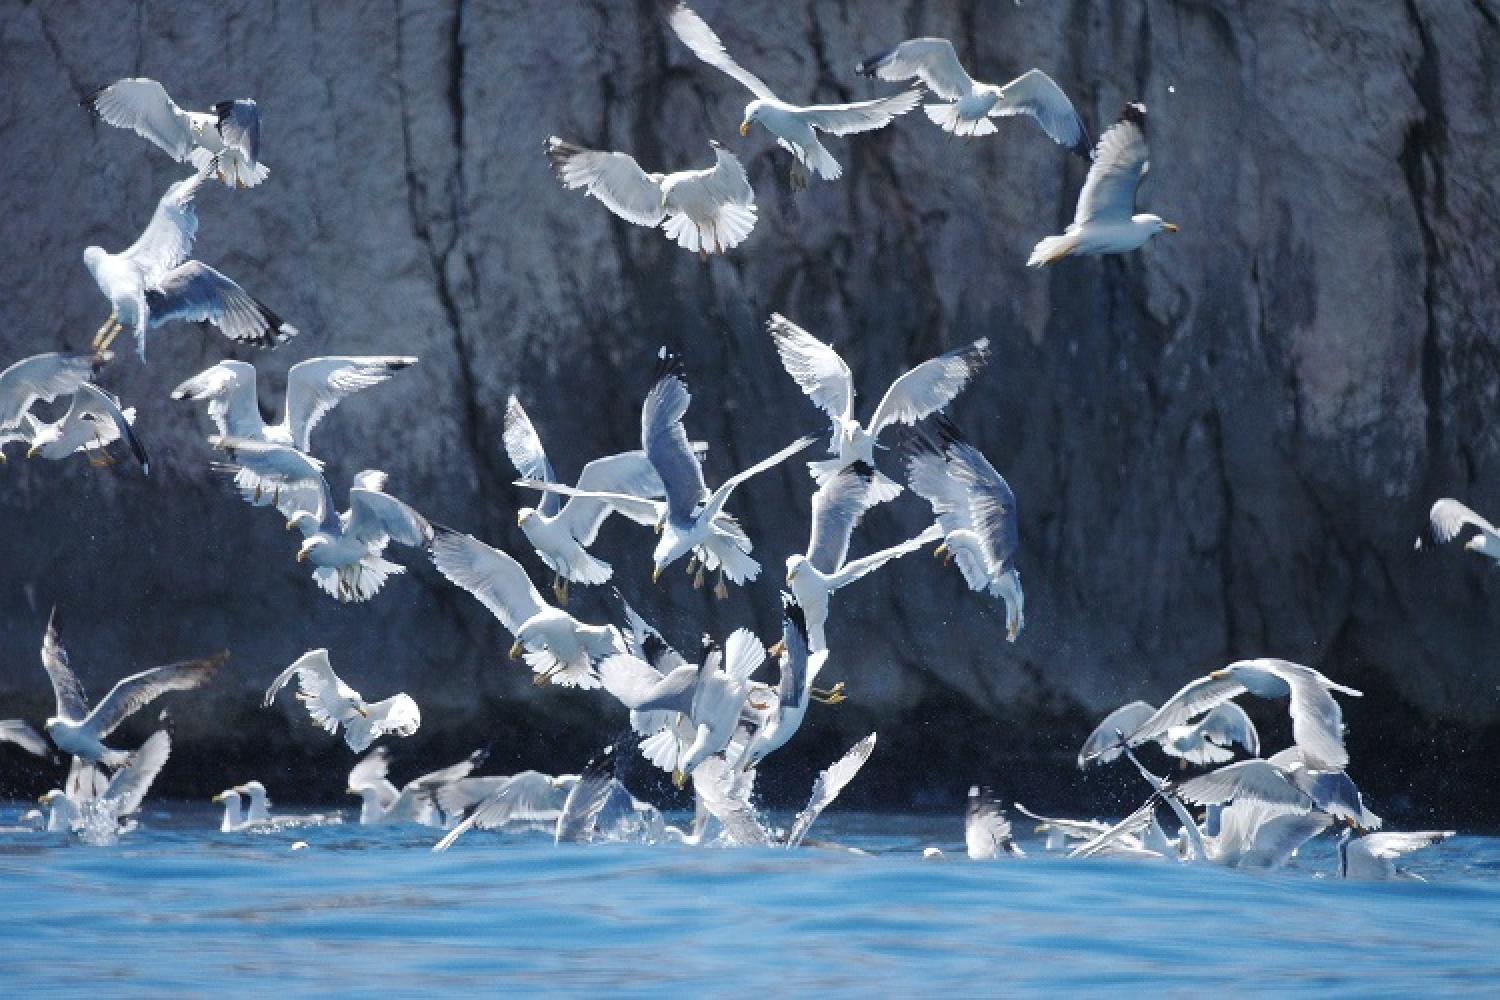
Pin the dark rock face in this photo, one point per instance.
(1223, 445)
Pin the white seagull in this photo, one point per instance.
(332, 703)
(561, 533)
(228, 136)
(1206, 741)
(93, 422)
(825, 378)
(102, 818)
(1373, 857)
(970, 104)
(976, 514)
(415, 802)
(1105, 221)
(836, 507)
(558, 647)
(1449, 519)
(787, 705)
(830, 782)
(153, 282)
(44, 377)
(986, 829)
(706, 211)
(795, 127)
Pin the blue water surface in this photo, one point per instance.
(177, 907)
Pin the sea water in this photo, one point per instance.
(177, 907)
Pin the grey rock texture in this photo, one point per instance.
(1223, 445)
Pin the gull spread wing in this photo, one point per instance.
(929, 386)
(641, 687)
(666, 443)
(1036, 94)
(814, 366)
(1120, 161)
(931, 59)
(695, 33)
(616, 179)
(492, 576)
(28, 739)
(229, 387)
(197, 293)
(139, 690)
(1195, 698)
(239, 127)
(376, 516)
(72, 703)
(1449, 518)
(1102, 744)
(860, 116)
(44, 377)
(524, 446)
(629, 472)
(94, 404)
(143, 105)
(1246, 781)
(837, 507)
(865, 565)
(127, 789)
(316, 386)
(168, 238)
(828, 786)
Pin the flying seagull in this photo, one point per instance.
(44, 377)
(976, 512)
(1206, 741)
(101, 818)
(75, 730)
(1105, 221)
(825, 378)
(787, 707)
(707, 211)
(416, 801)
(558, 647)
(332, 703)
(795, 127)
(93, 422)
(1449, 519)
(153, 282)
(970, 104)
(227, 136)
(17, 732)
(561, 533)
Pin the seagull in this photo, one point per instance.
(1331, 789)
(666, 734)
(986, 829)
(976, 515)
(1104, 221)
(18, 733)
(332, 703)
(227, 136)
(830, 782)
(706, 211)
(836, 507)
(44, 377)
(1373, 857)
(313, 388)
(795, 127)
(561, 534)
(345, 549)
(970, 104)
(529, 797)
(93, 422)
(800, 667)
(234, 819)
(100, 820)
(691, 519)
(1449, 519)
(1317, 722)
(559, 648)
(153, 282)
(416, 801)
(76, 730)
(1206, 741)
(710, 695)
(1060, 831)
(825, 378)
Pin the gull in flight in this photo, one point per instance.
(1105, 221)
(1206, 741)
(1317, 721)
(415, 802)
(786, 705)
(691, 519)
(986, 828)
(710, 695)
(44, 377)
(836, 507)
(795, 127)
(94, 421)
(976, 515)
(18, 733)
(706, 211)
(825, 378)
(1060, 831)
(75, 730)
(969, 104)
(1285, 783)
(1373, 856)
(227, 136)
(102, 818)
(1449, 519)
(561, 533)
(558, 647)
(332, 703)
(345, 549)
(313, 388)
(501, 800)
(152, 282)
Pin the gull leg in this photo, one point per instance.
(778, 649)
(698, 579)
(104, 330)
(692, 564)
(559, 589)
(720, 590)
(833, 696)
(678, 778)
(109, 338)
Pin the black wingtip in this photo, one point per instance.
(668, 364)
(868, 67)
(90, 101)
(792, 612)
(864, 470)
(1135, 113)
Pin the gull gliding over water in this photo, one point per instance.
(971, 104)
(228, 137)
(332, 703)
(795, 127)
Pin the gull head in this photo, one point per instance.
(794, 564)
(49, 797)
(92, 258)
(225, 796)
(752, 114)
(310, 546)
(1154, 223)
(254, 789)
(304, 519)
(523, 515)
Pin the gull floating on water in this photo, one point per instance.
(227, 136)
(1373, 857)
(970, 104)
(706, 211)
(152, 282)
(1105, 221)
(332, 703)
(795, 127)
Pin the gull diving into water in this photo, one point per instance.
(705, 211)
(795, 127)
(825, 378)
(102, 818)
(1449, 519)
(786, 705)
(75, 730)
(558, 647)
(313, 388)
(1373, 856)
(332, 703)
(970, 104)
(691, 519)
(152, 282)
(227, 136)
(561, 533)
(976, 513)
(1105, 220)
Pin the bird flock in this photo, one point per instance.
(701, 716)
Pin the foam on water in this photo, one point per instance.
(177, 906)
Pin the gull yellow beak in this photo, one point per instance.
(744, 130)
(938, 552)
(350, 791)
(1170, 227)
(301, 554)
(777, 649)
(31, 452)
(655, 574)
(1219, 675)
(515, 650)
(363, 712)
(217, 798)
